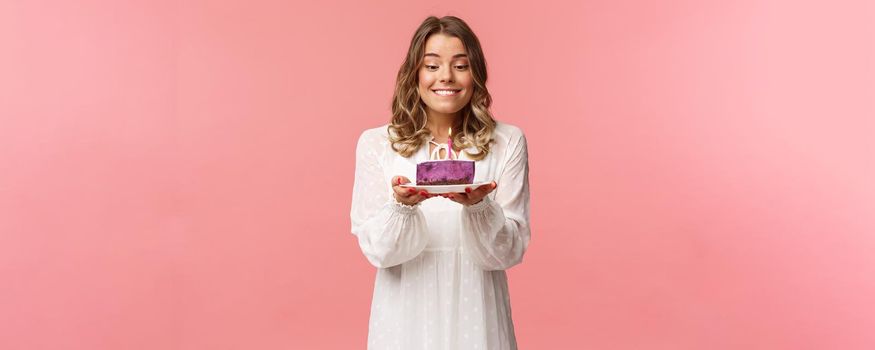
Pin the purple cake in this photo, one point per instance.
(445, 172)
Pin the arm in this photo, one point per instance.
(389, 233)
(496, 231)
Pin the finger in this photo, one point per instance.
(483, 190)
(417, 194)
(399, 180)
(460, 198)
(401, 191)
(412, 198)
(404, 191)
(418, 197)
(489, 187)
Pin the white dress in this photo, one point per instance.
(440, 281)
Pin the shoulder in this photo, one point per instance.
(374, 137)
(509, 133)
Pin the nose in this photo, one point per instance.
(446, 74)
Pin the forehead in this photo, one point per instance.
(444, 45)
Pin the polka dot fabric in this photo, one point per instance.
(441, 281)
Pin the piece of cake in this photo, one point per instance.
(445, 172)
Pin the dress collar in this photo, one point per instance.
(426, 155)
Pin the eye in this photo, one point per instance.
(462, 67)
(431, 67)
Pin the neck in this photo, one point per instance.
(439, 124)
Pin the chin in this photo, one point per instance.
(447, 110)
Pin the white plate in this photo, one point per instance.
(446, 188)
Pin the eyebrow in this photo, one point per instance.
(454, 56)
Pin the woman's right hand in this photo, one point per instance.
(406, 195)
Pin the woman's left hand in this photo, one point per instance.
(472, 196)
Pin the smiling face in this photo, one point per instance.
(445, 80)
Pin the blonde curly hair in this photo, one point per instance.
(407, 130)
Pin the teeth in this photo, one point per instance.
(445, 92)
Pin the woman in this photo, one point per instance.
(440, 281)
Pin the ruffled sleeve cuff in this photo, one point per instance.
(402, 208)
(480, 206)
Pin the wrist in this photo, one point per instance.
(400, 202)
(479, 206)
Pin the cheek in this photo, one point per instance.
(468, 81)
(424, 76)
(424, 82)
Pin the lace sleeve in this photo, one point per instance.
(389, 233)
(496, 231)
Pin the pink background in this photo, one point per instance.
(177, 175)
